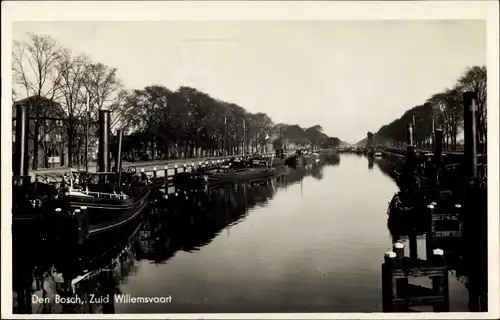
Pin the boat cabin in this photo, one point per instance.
(108, 185)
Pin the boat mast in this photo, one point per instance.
(119, 162)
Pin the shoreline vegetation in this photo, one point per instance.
(442, 110)
(64, 92)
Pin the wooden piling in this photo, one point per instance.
(399, 295)
(429, 239)
(104, 130)
(399, 248)
(412, 239)
(21, 163)
(108, 284)
(440, 286)
(387, 285)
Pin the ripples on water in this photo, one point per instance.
(310, 242)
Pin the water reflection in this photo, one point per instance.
(371, 162)
(169, 229)
(92, 274)
(385, 167)
(304, 243)
(76, 273)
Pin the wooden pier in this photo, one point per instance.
(451, 214)
(398, 295)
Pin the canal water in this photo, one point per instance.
(311, 242)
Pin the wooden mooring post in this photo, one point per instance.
(398, 295)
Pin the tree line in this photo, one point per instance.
(443, 110)
(187, 123)
(157, 121)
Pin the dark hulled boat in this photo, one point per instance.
(261, 161)
(241, 175)
(30, 199)
(311, 158)
(233, 170)
(370, 152)
(32, 206)
(239, 170)
(94, 203)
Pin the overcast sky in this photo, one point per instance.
(348, 77)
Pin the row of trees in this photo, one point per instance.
(157, 121)
(444, 110)
(188, 122)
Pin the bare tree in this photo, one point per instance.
(475, 79)
(103, 88)
(34, 67)
(439, 105)
(122, 113)
(14, 96)
(72, 74)
(147, 108)
(455, 113)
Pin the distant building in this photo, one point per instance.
(51, 135)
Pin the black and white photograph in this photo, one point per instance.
(177, 158)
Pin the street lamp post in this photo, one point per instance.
(413, 126)
(79, 146)
(225, 136)
(87, 127)
(244, 137)
(436, 112)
